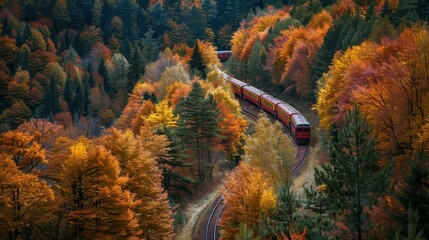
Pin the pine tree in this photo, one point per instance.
(103, 73)
(197, 126)
(197, 62)
(353, 178)
(414, 192)
(136, 70)
(331, 44)
(7, 29)
(254, 65)
(51, 98)
(148, 44)
(69, 92)
(78, 101)
(172, 179)
(286, 207)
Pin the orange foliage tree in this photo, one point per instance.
(23, 149)
(248, 197)
(388, 80)
(25, 201)
(144, 182)
(93, 201)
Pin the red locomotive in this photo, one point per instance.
(287, 114)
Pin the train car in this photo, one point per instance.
(300, 128)
(237, 86)
(285, 113)
(253, 94)
(223, 55)
(269, 103)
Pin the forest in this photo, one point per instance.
(114, 118)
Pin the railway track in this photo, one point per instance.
(211, 228)
(250, 115)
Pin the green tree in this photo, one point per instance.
(353, 178)
(414, 192)
(61, 16)
(171, 167)
(254, 65)
(197, 62)
(51, 99)
(285, 212)
(198, 126)
(136, 69)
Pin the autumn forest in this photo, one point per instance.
(116, 121)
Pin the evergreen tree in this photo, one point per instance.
(7, 29)
(173, 9)
(85, 91)
(158, 19)
(353, 178)
(69, 92)
(78, 101)
(103, 73)
(197, 126)
(172, 179)
(106, 17)
(286, 207)
(148, 47)
(254, 65)
(126, 10)
(51, 99)
(136, 69)
(210, 10)
(414, 193)
(197, 63)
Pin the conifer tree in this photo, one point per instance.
(353, 178)
(254, 65)
(136, 69)
(172, 178)
(69, 92)
(197, 126)
(414, 192)
(197, 61)
(286, 207)
(51, 99)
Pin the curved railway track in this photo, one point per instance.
(211, 227)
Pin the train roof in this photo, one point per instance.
(272, 99)
(236, 81)
(300, 120)
(288, 108)
(223, 52)
(253, 90)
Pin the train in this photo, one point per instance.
(223, 55)
(285, 113)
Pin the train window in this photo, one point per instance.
(307, 129)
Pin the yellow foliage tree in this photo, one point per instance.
(271, 150)
(162, 117)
